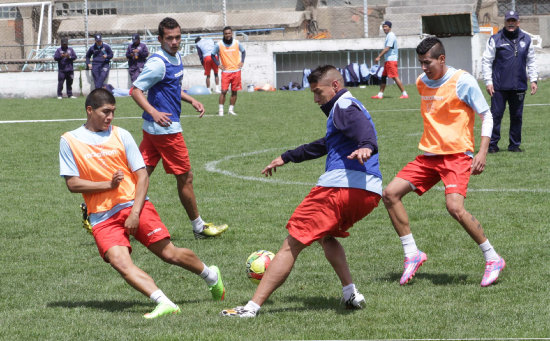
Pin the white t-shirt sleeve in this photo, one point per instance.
(67, 164)
(133, 155)
(469, 92)
(153, 72)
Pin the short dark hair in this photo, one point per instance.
(316, 75)
(432, 45)
(168, 23)
(197, 39)
(227, 28)
(99, 97)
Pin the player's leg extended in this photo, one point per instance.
(278, 270)
(187, 194)
(392, 196)
(336, 256)
(120, 260)
(455, 207)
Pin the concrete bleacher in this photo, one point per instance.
(406, 15)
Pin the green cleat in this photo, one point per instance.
(210, 231)
(161, 310)
(85, 221)
(217, 290)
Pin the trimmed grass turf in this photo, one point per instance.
(55, 286)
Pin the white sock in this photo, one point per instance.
(252, 306)
(380, 94)
(489, 253)
(231, 108)
(348, 290)
(404, 93)
(159, 297)
(209, 276)
(221, 108)
(198, 225)
(409, 245)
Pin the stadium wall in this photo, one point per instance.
(260, 66)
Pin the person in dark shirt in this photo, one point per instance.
(101, 55)
(137, 53)
(349, 190)
(65, 56)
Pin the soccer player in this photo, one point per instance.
(350, 188)
(205, 46)
(450, 98)
(391, 53)
(162, 131)
(103, 162)
(231, 56)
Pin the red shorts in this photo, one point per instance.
(330, 211)
(170, 147)
(426, 171)
(210, 65)
(233, 78)
(390, 69)
(111, 232)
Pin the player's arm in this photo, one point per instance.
(109, 53)
(57, 55)
(382, 53)
(88, 56)
(161, 118)
(196, 104)
(201, 57)
(310, 151)
(487, 65)
(132, 222)
(243, 56)
(129, 52)
(75, 184)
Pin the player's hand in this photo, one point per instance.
(199, 107)
(490, 89)
(241, 65)
(377, 60)
(118, 176)
(361, 154)
(222, 67)
(478, 163)
(132, 223)
(534, 88)
(89, 66)
(272, 167)
(162, 118)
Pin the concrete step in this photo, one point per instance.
(440, 9)
(402, 3)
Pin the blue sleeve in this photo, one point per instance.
(153, 72)
(469, 92)
(89, 54)
(109, 52)
(310, 151)
(67, 164)
(353, 123)
(243, 55)
(215, 53)
(129, 51)
(144, 51)
(133, 155)
(201, 57)
(73, 54)
(57, 55)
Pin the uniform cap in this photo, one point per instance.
(387, 22)
(98, 37)
(135, 37)
(511, 15)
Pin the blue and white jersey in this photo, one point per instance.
(68, 167)
(467, 89)
(393, 52)
(206, 45)
(161, 77)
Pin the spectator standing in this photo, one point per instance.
(101, 55)
(507, 56)
(391, 53)
(205, 46)
(137, 53)
(231, 59)
(65, 57)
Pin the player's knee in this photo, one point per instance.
(456, 211)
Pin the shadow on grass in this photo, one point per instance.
(112, 305)
(309, 303)
(437, 279)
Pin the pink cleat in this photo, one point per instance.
(411, 265)
(376, 97)
(492, 270)
(404, 96)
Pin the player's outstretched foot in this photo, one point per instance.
(410, 266)
(161, 310)
(210, 231)
(356, 301)
(238, 312)
(404, 96)
(492, 270)
(217, 290)
(376, 97)
(85, 221)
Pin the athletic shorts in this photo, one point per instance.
(210, 65)
(233, 78)
(426, 171)
(111, 232)
(390, 69)
(170, 147)
(330, 211)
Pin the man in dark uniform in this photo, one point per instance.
(137, 54)
(65, 56)
(100, 65)
(507, 55)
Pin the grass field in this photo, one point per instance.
(55, 286)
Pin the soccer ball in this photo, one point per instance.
(257, 263)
